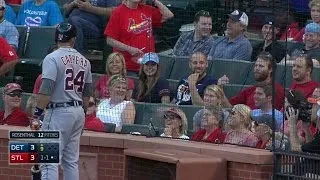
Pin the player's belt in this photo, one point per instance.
(66, 104)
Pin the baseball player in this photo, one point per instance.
(64, 93)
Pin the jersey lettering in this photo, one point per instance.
(74, 82)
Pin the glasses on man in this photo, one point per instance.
(14, 94)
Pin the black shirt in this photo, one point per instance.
(160, 89)
(275, 49)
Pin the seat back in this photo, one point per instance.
(109, 127)
(180, 67)
(142, 129)
(231, 90)
(166, 63)
(22, 39)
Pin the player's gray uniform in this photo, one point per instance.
(70, 71)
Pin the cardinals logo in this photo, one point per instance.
(145, 25)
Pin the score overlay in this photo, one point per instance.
(31, 153)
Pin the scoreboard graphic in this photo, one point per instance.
(24, 150)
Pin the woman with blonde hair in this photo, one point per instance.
(176, 124)
(239, 123)
(213, 98)
(116, 109)
(115, 64)
(152, 88)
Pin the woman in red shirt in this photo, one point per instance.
(129, 29)
(212, 123)
(13, 114)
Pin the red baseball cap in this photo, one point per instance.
(12, 87)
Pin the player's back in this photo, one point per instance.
(70, 71)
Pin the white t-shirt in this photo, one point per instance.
(181, 137)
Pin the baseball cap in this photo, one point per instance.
(177, 111)
(239, 16)
(2, 4)
(270, 21)
(11, 87)
(312, 28)
(150, 57)
(263, 119)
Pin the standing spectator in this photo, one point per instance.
(315, 16)
(176, 124)
(270, 44)
(115, 65)
(89, 17)
(130, 29)
(152, 88)
(301, 73)
(39, 13)
(235, 45)
(13, 114)
(213, 98)
(263, 101)
(8, 57)
(116, 109)
(9, 14)
(212, 127)
(263, 72)
(7, 29)
(198, 40)
(190, 89)
(239, 123)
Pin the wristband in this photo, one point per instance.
(38, 112)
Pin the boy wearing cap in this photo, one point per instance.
(273, 47)
(198, 40)
(7, 29)
(234, 45)
(8, 57)
(13, 113)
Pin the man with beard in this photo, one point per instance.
(190, 89)
(275, 49)
(198, 40)
(234, 45)
(262, 74)
(301, 73)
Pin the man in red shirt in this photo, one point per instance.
(130, 26)
(8, 57)
(13, 114)
(262, 74)
(301, 74)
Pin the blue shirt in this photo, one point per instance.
(10, 33)
(10, 15)
(183, 94)
(278, 116)
(46, 14)
(186, 45)
(239, 49)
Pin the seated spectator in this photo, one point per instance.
(289, 27)
(212, 124)
(263, 101)
(262, 74)
(39, 13)
(235, 45)
(93, 123)
(213, 98)
(315, 13)
(198, 40)
(190, 89)
(152, 88)
(269, 45)
(115, 65)
(302, 76)
(8, 57)
(9, 14)
(89, 17)
(239, 124)
(13, 114)
(116, 109)
(311, 42)
(7, 29)
(263, 131)
(130, 29)
(176, 124)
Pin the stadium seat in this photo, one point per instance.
(231, 90)
(291, 46)
(238, 71)
(166, 63)
(255, 42)
(109, 127)
(180, 67)
(143, 129)
(173, 84)
(22, 39)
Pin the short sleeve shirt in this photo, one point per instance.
(7, 53)
(160, 89)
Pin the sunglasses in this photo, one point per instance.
(171, 116)
(13, 94)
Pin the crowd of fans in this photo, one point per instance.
(247, 119)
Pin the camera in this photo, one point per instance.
(305, 110)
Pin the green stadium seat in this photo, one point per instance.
(166, 63)
(173, 84)
(231, 90)
(109, 127)
(143, 129)
(238, 71)
(22, 39)
(180, 67)
(255, 42)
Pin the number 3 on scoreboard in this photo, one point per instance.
(32, 157)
